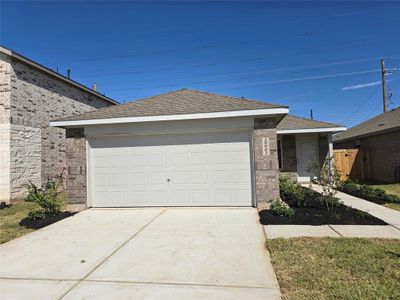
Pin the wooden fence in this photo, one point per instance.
(352, 163)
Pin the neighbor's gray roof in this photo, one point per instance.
(384, 122)
(290, 122)
(50, 72)
(175, 103)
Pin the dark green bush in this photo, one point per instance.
(46, 197)
(291, 191)
(367, 192)
(328, 201)
(279, 208)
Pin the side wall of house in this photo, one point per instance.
(37, 151)
(5, 105)
(381, 154)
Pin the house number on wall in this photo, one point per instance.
(265, 146)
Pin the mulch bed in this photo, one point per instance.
(342, 215)
(49, 219)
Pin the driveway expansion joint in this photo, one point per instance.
(181, 284)
(112, 253)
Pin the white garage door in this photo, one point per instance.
(207, 169)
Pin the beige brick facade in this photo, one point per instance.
(265, 162)
(30, 149)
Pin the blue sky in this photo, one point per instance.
(320, 56)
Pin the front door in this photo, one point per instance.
(306, 152)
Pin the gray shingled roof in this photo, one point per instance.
(384, 122)
(290, 122)
(175, 103)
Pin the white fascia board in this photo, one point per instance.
(225, 114)
(312, 130)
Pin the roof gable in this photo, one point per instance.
(175, 103)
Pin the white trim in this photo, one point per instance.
(55, 74)
(225, 114)
(312, 130)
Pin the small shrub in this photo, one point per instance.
(328, 201)
(37, 214)
(280, 208)
(46, 197)
(291, 191)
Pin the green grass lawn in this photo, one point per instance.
(10, 218)
(390, 189)
(337, 268)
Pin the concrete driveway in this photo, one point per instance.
(142, 254)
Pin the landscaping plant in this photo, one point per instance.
(280, 208)
(367, 192)
(291, 191)
(47, 197)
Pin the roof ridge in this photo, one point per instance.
(235, 98)
(314, 120)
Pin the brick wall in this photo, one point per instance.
(266, 164)
(289, 159)
(76, 166)
(37, 151)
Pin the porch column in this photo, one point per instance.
(265, 162)
(330, 152)
(75, 146)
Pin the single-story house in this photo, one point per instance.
(187, 148)
(31, 96)
(378, 141)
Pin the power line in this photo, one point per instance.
(260, 71)
(362, 104)
(262, 82)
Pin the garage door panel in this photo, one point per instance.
(204, 169)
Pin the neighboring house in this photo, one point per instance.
(302, 144)
(378, 141)
(31, 95)
(186, 148)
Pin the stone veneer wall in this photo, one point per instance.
(5, 105)
(266, 166)
(32, 99)
(76, 166)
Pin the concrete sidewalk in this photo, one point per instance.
(390, 216)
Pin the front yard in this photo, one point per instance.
(337, 268)
(384, 194)
(393, 189)
(10, 218)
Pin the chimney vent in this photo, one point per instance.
(68, 73)
(94, 86)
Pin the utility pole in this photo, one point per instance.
(311, 115)
(384, 85)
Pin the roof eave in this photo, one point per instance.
(54, 74)
(197, 116)
(312, 130)
(356, 137)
